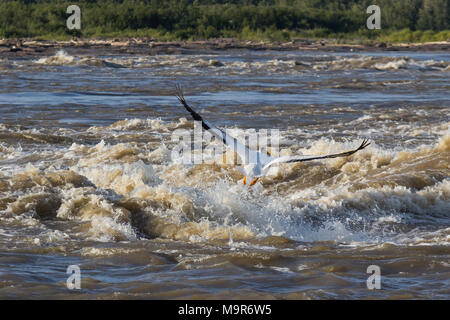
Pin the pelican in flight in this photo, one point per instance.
(264, 160)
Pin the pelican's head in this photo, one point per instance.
(252, 172)
(246, 171)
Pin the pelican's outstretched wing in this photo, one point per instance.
(243, 151)
(290, 159)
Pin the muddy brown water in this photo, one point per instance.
(87, 176)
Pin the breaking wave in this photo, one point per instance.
(61, 58)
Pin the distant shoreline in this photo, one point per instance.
(31, 47)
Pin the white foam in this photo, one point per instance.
(60, 58)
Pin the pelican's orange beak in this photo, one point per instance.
(244, 182)
(253, 182)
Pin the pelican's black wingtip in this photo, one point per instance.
(364, 144)
(179, 92)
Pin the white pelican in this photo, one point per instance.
(264, 160)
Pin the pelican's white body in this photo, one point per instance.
(256, 164)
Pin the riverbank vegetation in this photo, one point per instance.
(272, 20)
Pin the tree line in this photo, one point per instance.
(205, 19)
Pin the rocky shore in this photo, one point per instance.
(149, 46)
